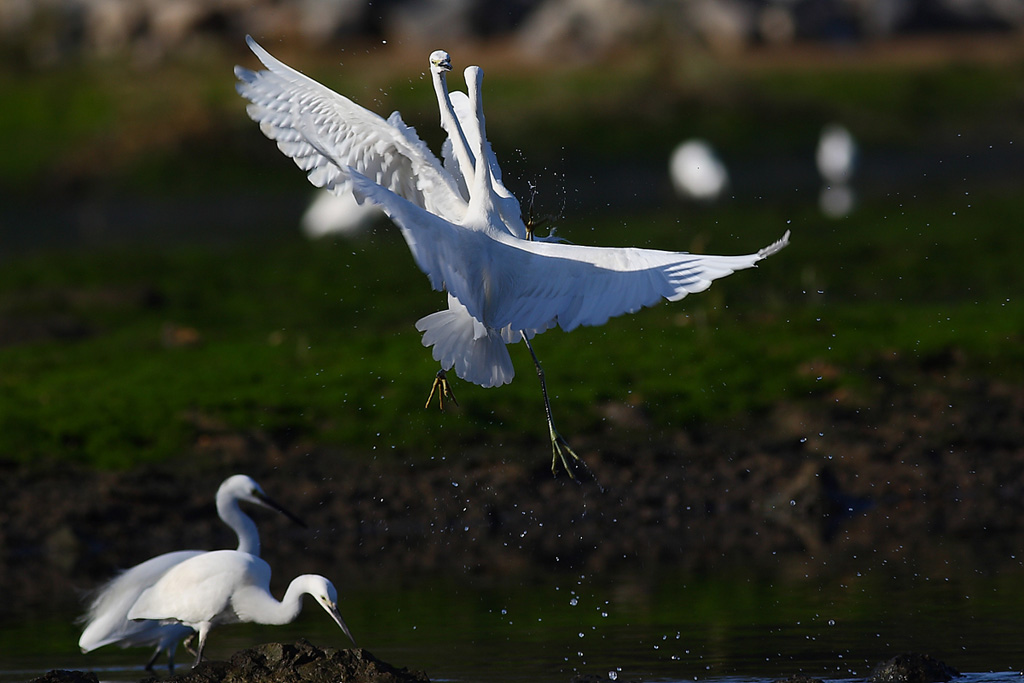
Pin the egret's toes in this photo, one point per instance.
(559, 448)
(443, 388)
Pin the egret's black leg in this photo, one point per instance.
(559, 446)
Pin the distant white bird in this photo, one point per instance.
(697, 172)
(107, 620)
(227, 587)
(506, 284)
(341, 213)
(836, 155)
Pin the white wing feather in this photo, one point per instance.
(537, 285)
(107, 617)
(306, 118)
(571, 285)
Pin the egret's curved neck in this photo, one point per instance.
(451, 126)
(240, 523)
(481, 196)
(256, 604)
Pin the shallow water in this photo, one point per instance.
(665, 627)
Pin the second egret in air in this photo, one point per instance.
(503, 287)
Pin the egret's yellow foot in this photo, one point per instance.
(443, 388)
(559, 449)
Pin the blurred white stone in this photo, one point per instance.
(697, 172)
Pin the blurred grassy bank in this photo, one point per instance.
(124, 349)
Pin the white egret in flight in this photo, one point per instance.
(107, 620)
(227, 587)
(510, 288)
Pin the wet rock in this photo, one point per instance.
(301, 662)
(62, 676)
(594, 678)
(911, 667)
(799, 678)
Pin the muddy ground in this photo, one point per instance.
(926, 465)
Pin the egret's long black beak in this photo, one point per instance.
(274, 505)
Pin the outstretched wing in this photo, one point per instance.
(307, 119)
(534, 285)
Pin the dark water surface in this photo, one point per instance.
(665, 627)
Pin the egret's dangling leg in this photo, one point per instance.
(559, 446)
(443, 388)
(156, 655)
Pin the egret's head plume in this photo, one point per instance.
(440, 61)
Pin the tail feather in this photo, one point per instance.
(477, 353)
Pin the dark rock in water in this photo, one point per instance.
(62, 676)
(911, 667)
(594, 678)
(302, 662)
(799, 678)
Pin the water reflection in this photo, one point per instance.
(661, 626)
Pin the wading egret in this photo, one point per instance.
(510, 288)
(836, 158)
(836, 155)
(334, 214)
(696, 171)
(228, 587)
(107, 623)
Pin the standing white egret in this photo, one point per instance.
(227, 587)
(697, 172)
(836, 155)
(331, 213)
(836, 158)
(107, 620)
(506, 284)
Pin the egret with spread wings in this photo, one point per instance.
(501, 287)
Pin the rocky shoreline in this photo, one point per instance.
(303, 662)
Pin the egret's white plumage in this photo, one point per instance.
(336, 213)
(697, 172)
(107, 623)
(227, 587)
(836, 155)
(458, 158)
(499, 284)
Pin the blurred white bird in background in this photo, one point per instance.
(337, 214)
(229, 587)
(696, 171)
(107, 622)
(501, 286)
(836, 155)
(836, 159)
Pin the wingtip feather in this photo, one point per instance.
(774, 247)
